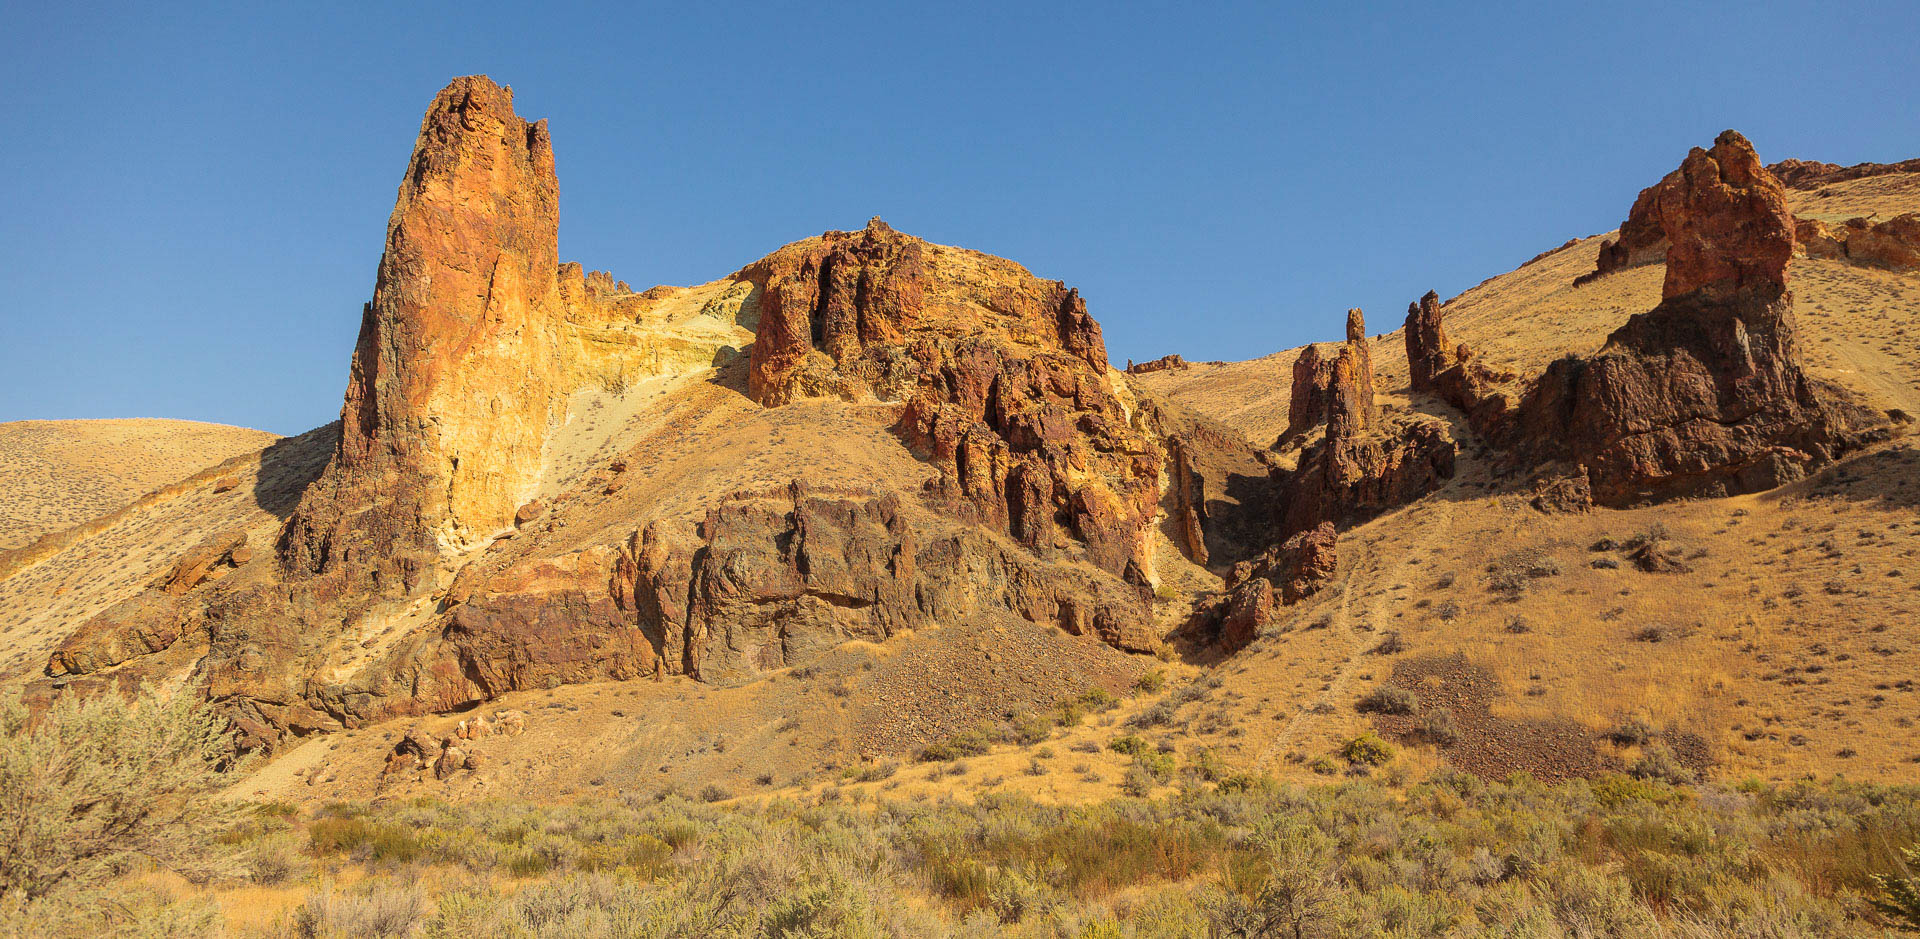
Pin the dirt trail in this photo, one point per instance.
(1437, 525)
(1876, 373)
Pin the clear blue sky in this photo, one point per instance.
(192, 202)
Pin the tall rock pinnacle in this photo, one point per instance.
(452, 386)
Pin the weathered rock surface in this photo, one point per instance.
(1282, 575)
(1161, 364)
(454, 381)
(1642, 240)
(204, 562)
(1342, 383)
(1813, 174)
(1892, 244)
(1702, 395)
(1004, 377)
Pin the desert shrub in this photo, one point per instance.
(1658, 762)
(1029, 729)
(1512, 572)
(1632, 732)
(1390, 644)
(969, 743)
(98, 782)
(1128, 745)
(1159, 714)
(1390, 699)
(712, 792)
(1617, 790)
(1436, 726)
(374, 914)
(1150, 682)
(874, 772)
(1367, 750)
(1898, 898)
(363, 839)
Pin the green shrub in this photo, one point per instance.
(1390, 699)
(1367, 750)
(99, 781)
(1899, 894)
(362, 839)
(1150, 682)
(1128, 745)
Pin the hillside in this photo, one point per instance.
(869, 500)
(61, 473)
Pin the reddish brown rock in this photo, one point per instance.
(1161, 364)
(1342, 383)
(143, 624)
(1726, 220)
(781, 576)
(1641, 240)
(1812, 174)
(1429, 352)
(1004, 376)
(1285, 574)
(1893, 244)
(1816, 240)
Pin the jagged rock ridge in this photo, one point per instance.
(1702, 395)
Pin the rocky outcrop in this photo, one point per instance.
(1003, 375)
(1702, 395)
(1812, 174)
(1642, 240)
(454, 382)
(1452, 373)
(1892, 244)
(772, 580)
(1727, 222)
(1342, 382)
(1164, 363)
(1285, 574)
(206, 561)
(148, 622)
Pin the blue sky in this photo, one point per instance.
(193, 197)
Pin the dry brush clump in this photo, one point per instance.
(1224, 854)
(1235, 856)
(94, 787)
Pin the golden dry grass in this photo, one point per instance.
(61, 473)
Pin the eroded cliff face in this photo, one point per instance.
(420, 573)
(1003, 377)
(454, 383)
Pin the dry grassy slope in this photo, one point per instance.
(52, 585)
(1789, 648)
(59, 473)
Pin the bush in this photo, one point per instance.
(1128, 745)
(1658, 762)
(1512, 572)
(99, 781)
(1151, 682)
(1632, 732)
(376, 914)
(1436, 726)
(1367, 750)
(1899, 898)
(1389, 699)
